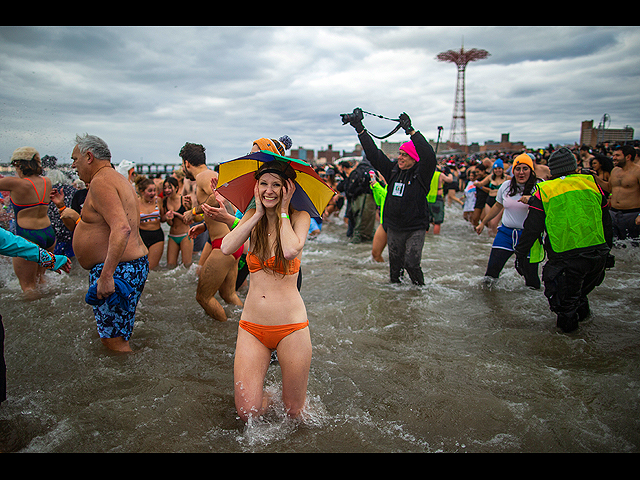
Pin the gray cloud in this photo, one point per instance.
(148, 90)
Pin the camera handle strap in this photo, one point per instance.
(386, 118)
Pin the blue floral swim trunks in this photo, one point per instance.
(113, 318)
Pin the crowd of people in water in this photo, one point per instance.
(468, 183)
(378, 200)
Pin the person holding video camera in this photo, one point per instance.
(405, 214)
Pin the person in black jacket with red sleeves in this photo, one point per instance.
(406, 214)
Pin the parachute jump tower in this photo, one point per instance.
(461, 58)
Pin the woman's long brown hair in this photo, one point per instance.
(259, 235)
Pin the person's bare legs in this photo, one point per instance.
(294, 357)
(212, 276)
(249, 369)
(186, 249)
(228, 288)
(117, 344)
(173, 250)
(155, 254)
(26, 272)
(378, 244)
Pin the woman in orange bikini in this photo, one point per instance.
(274, 315)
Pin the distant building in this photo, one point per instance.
(505, 145)
(302, 154)
(593, 136)
(357, 152)
(390, 149)
(328, 156)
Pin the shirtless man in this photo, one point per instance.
(586, 156)
(625, 193)
(106, 239)
(219, 271)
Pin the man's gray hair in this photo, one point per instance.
(91, 143)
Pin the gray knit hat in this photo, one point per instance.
(562, 162)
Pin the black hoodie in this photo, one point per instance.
(405, 207)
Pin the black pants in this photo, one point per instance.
(624, 223)
(567, 284)
(499, 257)
(405, 251)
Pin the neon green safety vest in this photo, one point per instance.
(573, 209)
(433, 188)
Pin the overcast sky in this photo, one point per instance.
(148, 90)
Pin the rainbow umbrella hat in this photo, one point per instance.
(236, 182)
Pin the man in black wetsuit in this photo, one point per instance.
(406, 213)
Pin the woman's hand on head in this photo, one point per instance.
(287, 194)
(259, 206)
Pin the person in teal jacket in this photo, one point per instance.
(14, 246)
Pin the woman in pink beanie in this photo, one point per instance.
(405, 213)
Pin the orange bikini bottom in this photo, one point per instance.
(271, 335)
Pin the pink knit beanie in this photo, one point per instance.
(410, 150)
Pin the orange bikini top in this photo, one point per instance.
(255, 264)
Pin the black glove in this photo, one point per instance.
(405, 123)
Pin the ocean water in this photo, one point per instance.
(455, 366)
